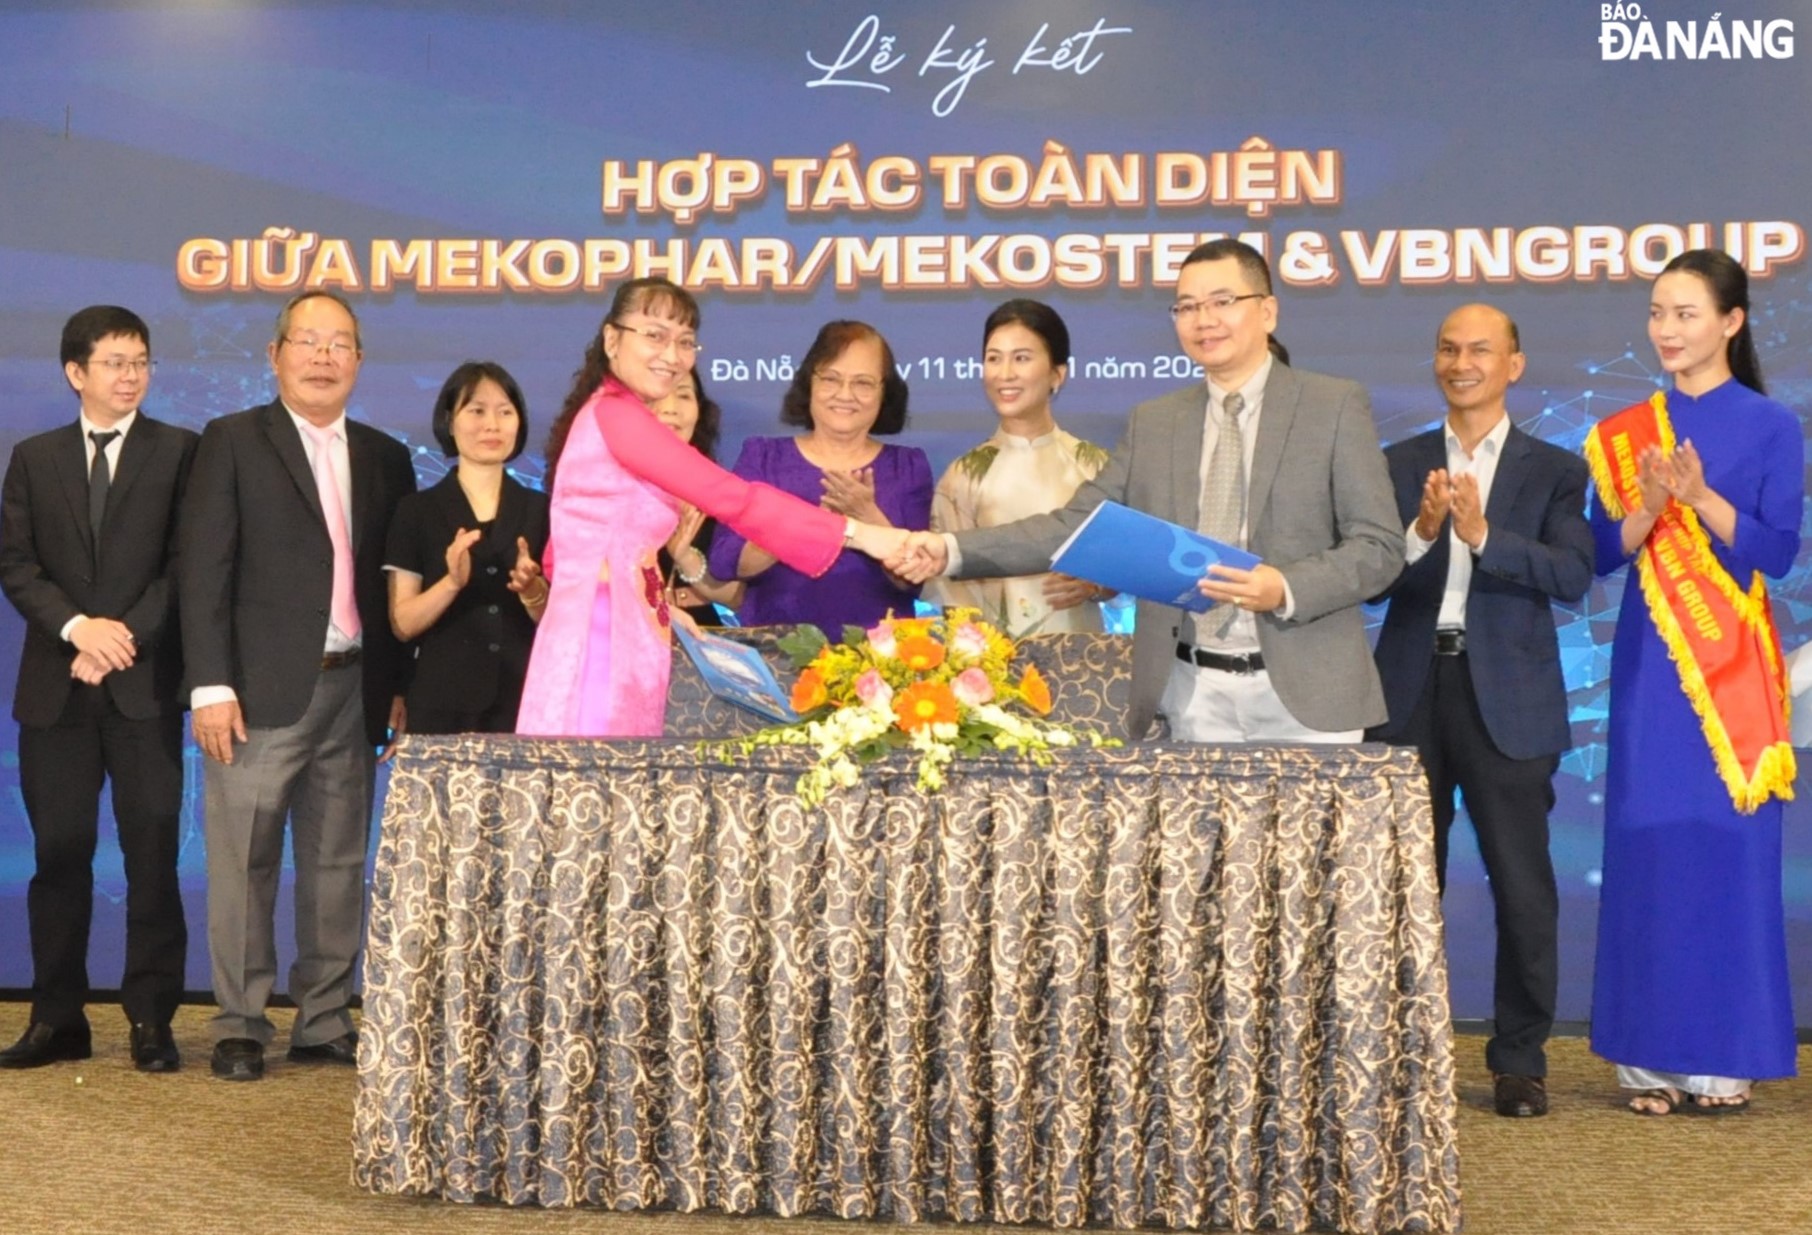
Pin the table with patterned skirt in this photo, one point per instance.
(1181, 985)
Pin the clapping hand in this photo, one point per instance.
(852, 493)
(1468, 511)
(690, 520)
(526, 579)
(1685, 476)
(459, 556)
(1437, 499)
(1655, 478)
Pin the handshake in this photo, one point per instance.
(912, 556)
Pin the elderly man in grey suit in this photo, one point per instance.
(1284, 462)
(295, 676)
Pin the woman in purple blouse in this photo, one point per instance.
(845, 393)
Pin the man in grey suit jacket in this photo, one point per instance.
(1289, 661)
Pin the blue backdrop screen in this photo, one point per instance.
(476, 179)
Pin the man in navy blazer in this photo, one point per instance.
(87, 553)
(1470, 660)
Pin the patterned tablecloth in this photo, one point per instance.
(1195, 986)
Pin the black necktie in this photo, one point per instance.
(100, 477)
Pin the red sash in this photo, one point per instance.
(1720, 638)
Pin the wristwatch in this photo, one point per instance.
(849, 532)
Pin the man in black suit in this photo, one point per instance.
(296, 678)
(1471, 663)
(87, 547)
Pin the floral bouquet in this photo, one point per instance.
(942, 687)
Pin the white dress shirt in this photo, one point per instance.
(1481, 465)
(1241, 636)
(122, 426)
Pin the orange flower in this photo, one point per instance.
(809, 692)
(924, 703)
(911, 628)
(921, 653)
(1034, 691)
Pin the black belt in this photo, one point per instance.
(1450, 643)
(1190, 654)
(340, 660)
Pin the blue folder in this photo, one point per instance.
(1145, 556)
(736, 673)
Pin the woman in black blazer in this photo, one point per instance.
(464, 583)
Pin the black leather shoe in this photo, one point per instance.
(1520, 1097)
(343, 1049)
(238, 1059)
(154, 1049)
(41, 1044)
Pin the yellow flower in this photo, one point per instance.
(809, 692)
(924, 703)
(1034, 691)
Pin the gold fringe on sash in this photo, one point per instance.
(1776, 767)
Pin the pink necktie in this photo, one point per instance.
(345, 611)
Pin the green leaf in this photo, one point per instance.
(1089, 453)
(802, 644)
(976, 463)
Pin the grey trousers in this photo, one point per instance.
(317, 776)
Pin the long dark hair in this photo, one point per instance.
(636, 296)
(710, 421)
(1729, 285)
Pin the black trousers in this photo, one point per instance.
(61, 772)
(1508, 801)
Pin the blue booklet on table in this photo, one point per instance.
(1145, 556)
(736, 673)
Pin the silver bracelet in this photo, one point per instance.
(690, 579)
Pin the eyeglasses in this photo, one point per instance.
(861, 386)
(117, 365)
(338, 349)
(1211, 304)
(659, 339)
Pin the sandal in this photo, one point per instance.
(1671, 1100)
(1695, 1104)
